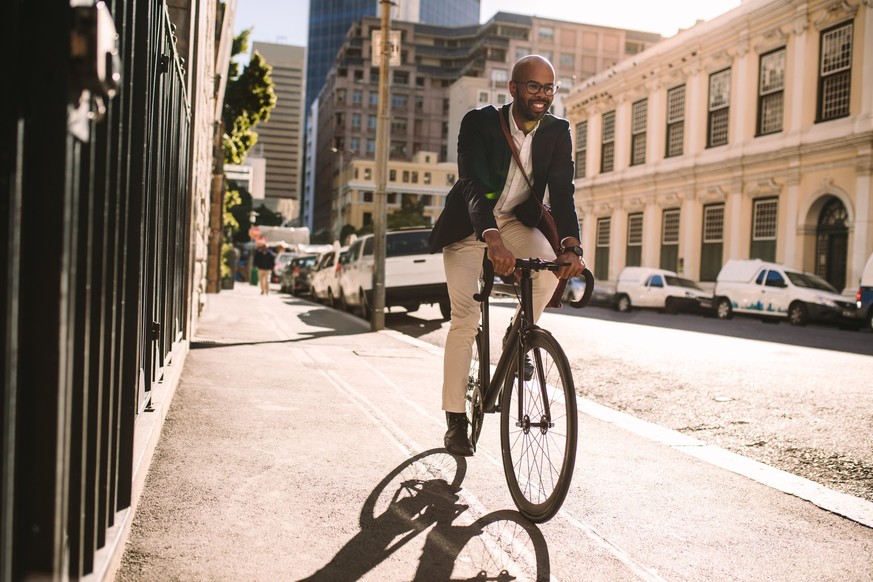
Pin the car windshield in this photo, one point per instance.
(305, 261)
(681, 282)
(810, 281)
(400, 244)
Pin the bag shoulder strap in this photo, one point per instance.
(505, 126)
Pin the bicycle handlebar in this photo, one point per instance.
(535, 265)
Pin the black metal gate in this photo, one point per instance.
(95, 251)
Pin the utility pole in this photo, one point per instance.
(380, 217)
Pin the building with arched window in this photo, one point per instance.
(748, 136)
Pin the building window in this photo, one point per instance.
(719, 108)
(368, 174)
(835, 72)
(771, 92)
(405, 176)
(601, 249)
(764, 227)
(547, 33)
(501, 98)
(419, 103)
(399, 100)
(355, 144)
(392, 175)
(670, 240)
(521, 52)
(450, 179)
(415, 176)
(357, 96)
(374, 98)
(638, 132)
(427, 177)
(607, 148)
(567, 60)
(713, 241)
(581, 148)
(634, 240)
(401, 77)
(371, 145)
(356, 120)
(372, 121)
(483, 96)
(675, 121)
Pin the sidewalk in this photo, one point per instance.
(300, 445)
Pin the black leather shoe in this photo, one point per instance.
(456, 440)
(528, 365)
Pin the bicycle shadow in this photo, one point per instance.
(422, 494)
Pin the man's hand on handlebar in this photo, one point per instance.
(574, 268)
(500, 257)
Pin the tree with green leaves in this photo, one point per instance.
(248, 99)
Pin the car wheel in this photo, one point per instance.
(366, 312)
(331, 302)
(446, 309)
(623, 303)
(870, 320)
(670, 306)
(343, 304)
(723, 309)
(797, 314)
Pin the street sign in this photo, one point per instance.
(376, 43)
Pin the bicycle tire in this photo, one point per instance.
(474, 396)
(538, 460)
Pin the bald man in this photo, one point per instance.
(492, 207)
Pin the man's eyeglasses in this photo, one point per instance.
(533, 87)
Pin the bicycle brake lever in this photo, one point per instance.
(488, 283)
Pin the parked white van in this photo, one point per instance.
(659, 289)
(864, 297)
(776, 292)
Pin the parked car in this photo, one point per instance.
(412, 274)
(601, 296)
(325, 278)
(296, 279)
(775, 292)
(282, 261)
(864, 297)
(658, 289)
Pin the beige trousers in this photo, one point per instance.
(264, 280)
(463, 265)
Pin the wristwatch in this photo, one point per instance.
(577, 250)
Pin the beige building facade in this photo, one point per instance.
(748, 136)
(423, 181)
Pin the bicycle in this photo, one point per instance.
(538, 417)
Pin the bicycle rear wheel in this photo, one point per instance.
(538, 430)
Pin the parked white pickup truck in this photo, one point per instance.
(412, 275)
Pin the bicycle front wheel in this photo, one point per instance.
(538, 430)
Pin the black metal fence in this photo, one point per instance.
(94, 247)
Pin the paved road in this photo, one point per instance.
(301, 447)
(736, 384)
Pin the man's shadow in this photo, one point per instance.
(421, 494)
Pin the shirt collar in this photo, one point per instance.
(513, 126)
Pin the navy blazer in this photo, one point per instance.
(483, 165)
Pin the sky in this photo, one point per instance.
(286, 21)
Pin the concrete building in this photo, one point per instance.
(748, 136)
(422, 180)
(280, 137)
(425, 108)
(330, 20)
